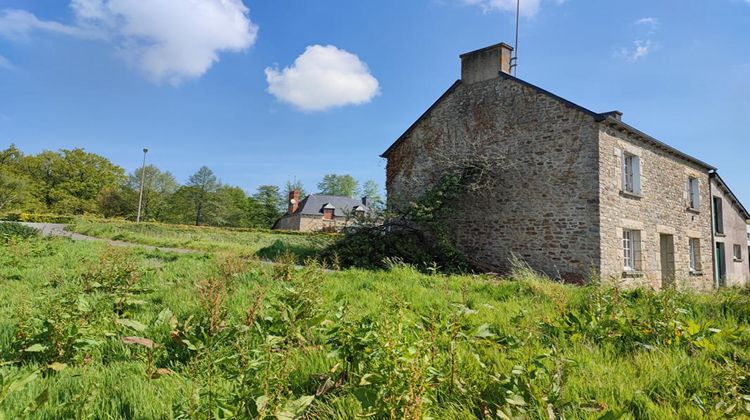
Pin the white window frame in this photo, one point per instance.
(694, 193)
(631, 248)
(631, 173)
(694, 245)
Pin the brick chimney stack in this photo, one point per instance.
(486, 63)
(293, 201)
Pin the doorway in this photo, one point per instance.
(666, 246)
(721, 264)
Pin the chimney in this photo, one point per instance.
(486, 64)
(293, 201)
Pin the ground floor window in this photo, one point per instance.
(631, 246)
(695, 254)
(738, 252)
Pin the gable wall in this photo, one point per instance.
(735, 233)
(661, 209)
(544, 209)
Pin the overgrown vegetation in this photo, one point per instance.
(11, 230)
(263, 243)
(90, 331)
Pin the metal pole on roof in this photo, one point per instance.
(515, 47)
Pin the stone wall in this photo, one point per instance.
(661, 209)
(544, 207)
(735, 233)
(309, 223)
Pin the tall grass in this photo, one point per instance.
(88, 331)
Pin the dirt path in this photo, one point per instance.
(58, 229)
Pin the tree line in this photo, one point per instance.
(76, 182)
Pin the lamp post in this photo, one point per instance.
(143, 178)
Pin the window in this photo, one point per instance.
(631, 174)
(718, 216)
(327, 214)
(695, 254)
(737, 253)
(631, 246)
(694, 194)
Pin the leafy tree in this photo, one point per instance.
(200, 188)
(70, 181)
(117, 202)
(158, 188)
(14, 190)
(271, 202)
(231, 207)
(371, 190)
(292, 186)
(342, 185)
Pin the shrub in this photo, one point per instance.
(37, 218)
(16, 230)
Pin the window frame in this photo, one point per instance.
(631, 244)
(694, 253)
(694, 193)
(718, 215)
(631, 174)
(737, 253)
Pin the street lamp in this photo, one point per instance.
(143, 178)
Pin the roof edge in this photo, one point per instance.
(421, 117)
(743, 210)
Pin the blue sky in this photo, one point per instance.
(265, 91)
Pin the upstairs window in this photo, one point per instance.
(327, 214)
(695, 254)
(694, 194)
(737, 253)
(631, 173)
(718, 216)
(631, 246)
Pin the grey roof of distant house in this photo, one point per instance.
(313, 204)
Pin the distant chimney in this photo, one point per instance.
(293, 201)
(614, 114)
(486, 64)
(366, 201)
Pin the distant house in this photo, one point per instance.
(581, 191)
(317, 212)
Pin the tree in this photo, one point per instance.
(201, 186)
(158, 188)
(14, 190)
(342, 185)
(371, 190)
(295, 185)
(270, 200)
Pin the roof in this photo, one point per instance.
(612, 117)
(313, 205)
(723, 185)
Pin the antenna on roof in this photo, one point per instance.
(514, 60)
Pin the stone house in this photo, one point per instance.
(581, 192)
(317, 212)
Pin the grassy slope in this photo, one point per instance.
(412, 345)
(243, 241)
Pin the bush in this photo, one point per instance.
(16, 230)
(373, 249)
(37, 218)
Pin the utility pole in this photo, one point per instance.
(143, 179)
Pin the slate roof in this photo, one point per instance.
(609, 117)
(313, 204)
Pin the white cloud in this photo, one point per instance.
(650, 21)
(640, 50)
(169, 40)
(19, 24)
(528, 8)
(323, 77)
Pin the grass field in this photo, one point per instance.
(261, 243)
(96, 332)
